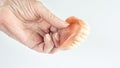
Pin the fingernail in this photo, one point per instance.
(53, 29)
(66, 24)
(48, 37)
(57, 36)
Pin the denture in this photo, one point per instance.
(74, 34)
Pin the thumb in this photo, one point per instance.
(50, 18)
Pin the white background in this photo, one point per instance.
(100, 50)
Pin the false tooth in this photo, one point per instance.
(77, 32)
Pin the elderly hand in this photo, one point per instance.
(29, 22)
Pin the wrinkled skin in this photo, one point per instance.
(29, 22)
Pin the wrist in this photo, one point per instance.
(2, 18)
(1, 23)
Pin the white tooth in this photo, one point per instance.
(79, 35)
(73, 46)
(86, 25)
(80, 39)
(77, 43)
(77, 40)
(84, 31)
(73, 43)
(83, 36)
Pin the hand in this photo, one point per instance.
(29, 22)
